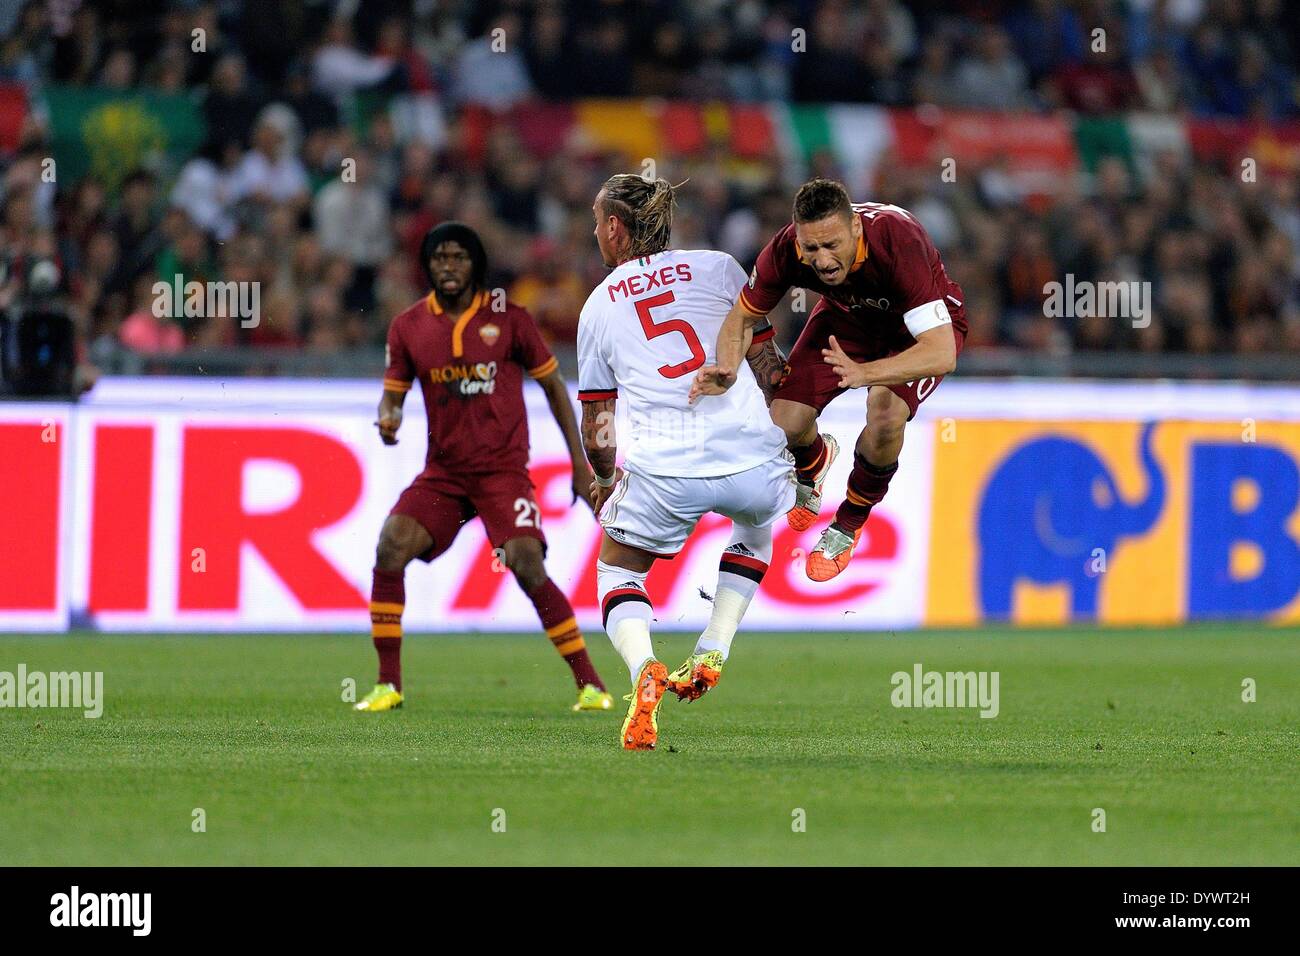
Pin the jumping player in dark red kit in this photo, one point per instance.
(470, 359)
(889, 320)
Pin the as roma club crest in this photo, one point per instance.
(489, 333)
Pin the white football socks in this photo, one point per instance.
(740, 570)
(627, 612)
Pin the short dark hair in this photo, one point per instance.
(467, 238)
(819, 198)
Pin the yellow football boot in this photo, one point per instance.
(383, 697)
(592, 697)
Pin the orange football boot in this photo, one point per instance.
(641, 727)
(697, 675)
(832, 555)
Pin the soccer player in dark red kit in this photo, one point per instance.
(889, 320)
(470, 356)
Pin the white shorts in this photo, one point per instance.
(657, 513)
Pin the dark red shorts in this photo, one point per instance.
(812, 382)
(442, 503)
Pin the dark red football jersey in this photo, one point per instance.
(897, 269)
(471, 375)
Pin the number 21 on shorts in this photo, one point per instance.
(527, 514)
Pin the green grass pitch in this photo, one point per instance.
(1149, 726)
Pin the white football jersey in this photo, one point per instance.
(643, 334)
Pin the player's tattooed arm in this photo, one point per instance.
(598, 439)
(767, 362)
(390, 416)
(601, 446)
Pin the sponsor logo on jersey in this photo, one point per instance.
(489, 333)
(463, 378)
(859, 302)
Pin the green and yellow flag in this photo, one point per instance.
(107, 133)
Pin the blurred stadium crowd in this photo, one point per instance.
(283, 87)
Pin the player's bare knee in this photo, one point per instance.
(389, 555)
(888, 429)
(526, 564)
(799, 422)
(887, 415)
(396, 548)
(883, 439)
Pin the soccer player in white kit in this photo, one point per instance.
(642, 335)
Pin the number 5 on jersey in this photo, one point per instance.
(683, 328)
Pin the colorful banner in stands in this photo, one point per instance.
(182, 504)
(1273, 147)
(1036, 152)
(107, 133)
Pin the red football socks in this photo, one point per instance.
(809, 459)
(867, 485)
(387, 600)
(556, 615)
